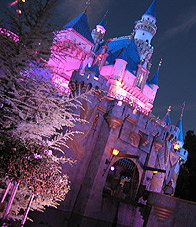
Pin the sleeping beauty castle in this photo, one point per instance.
(126, 155)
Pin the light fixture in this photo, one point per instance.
(155, 172)
(115, 152)
(135, 111)
(176, 146)
(112, 168)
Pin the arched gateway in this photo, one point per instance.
(122, 180)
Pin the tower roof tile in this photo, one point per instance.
(80, 25)
(152, 9)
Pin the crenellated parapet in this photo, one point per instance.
(146, 26)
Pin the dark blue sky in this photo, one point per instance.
(175, 42)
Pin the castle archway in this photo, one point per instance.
(122, 180)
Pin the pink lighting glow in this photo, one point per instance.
(60, 82)
(9, 34)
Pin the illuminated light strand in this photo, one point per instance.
(9, 34)
(13, 3)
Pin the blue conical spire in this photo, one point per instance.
(130, 55)
(94, 68)
(152, 9)
(155, 79)
(180, 136)
(102, 23)
(179, 125)
(167, 118)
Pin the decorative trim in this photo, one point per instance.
(135, 139)
(158, 145)
(102, 109)
(113, 122)
(163, 213)
(144, 138)
(144, 142)
(131, 120)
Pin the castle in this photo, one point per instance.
(124, 150)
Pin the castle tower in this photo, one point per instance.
(167, 118)
(180, 138)
(98, 33)
(106, 187)
(144, 31)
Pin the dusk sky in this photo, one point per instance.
(175, 42)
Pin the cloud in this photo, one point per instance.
(185, 24)
(184, 27)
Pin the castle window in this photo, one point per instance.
(140, 80)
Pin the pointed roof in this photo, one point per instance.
(152, 9)
(180, 136)
(167, 118)
(179, 125)
(95, 69)
(155, 80)
(80, 25)
(125, 49)
(102, 23)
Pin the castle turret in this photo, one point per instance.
(98, 33)
(180, 138)
(154, 82)
(145, 29)
(167, 118)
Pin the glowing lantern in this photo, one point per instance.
(115, 152)
(176, 146)
(23, 0)
(135, 111)
(155, 172)
(117, 83)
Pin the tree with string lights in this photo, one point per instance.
(36, 116)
